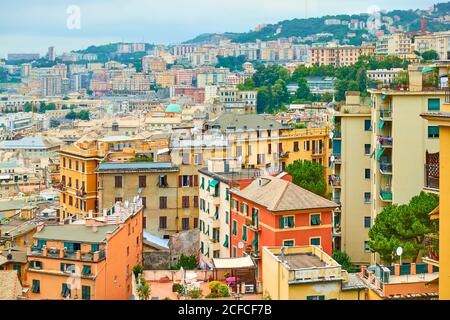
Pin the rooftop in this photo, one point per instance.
(10, 287)
(280, 195)
(244, 122)
(31, 143)
(302, 260)
(76, 233)
(136, 166)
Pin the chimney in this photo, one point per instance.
(423, 25)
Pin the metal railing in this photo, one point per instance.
(432, 176)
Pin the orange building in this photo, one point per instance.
(78, 164)
(91, 259)
(272, 211)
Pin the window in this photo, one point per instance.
(367, 197)
(367, 125)
(85, 292)
(366, 246)
(367, 222)
(367, 149)
(162, 181)
(185, 181)
(244, 233)
(434, 104)
(367, 173)
(244, 208)
(195, 201)
(163, 202)
(296, 148)
(118, 199)
(315, 298)
(226, 243)
(94, 247)
(65, 291)
(86, 271)
(315, 220)
(234, 228)
(288, 243)
(195, 223)
(144, 202)
(433, 132)
(36, 286)
(142, 181)
(185, 202)
(118, 181)
(185, 223)
(287, 222)
(314, 241)
(306, 145)
(234, 252)
(163, 222)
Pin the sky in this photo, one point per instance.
(33, 26)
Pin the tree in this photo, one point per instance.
(303, 92)
(144, 290)
(344, 260)
(308, 175)
(72, 115)
(187, 262)
(54, 123)
(84, 115)
(137, 269)
(27, 107)
(248, 84)
(430, 55)
(403, 226)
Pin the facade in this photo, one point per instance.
(398, 43)
(307, 273)
(216, 180)
(351, 178)
(385, 76)
(339, 56)
(438, 41)
(272, 211)
(237, 101)
(90, 260)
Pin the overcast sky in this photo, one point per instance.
(32, 26)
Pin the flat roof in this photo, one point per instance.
(136, 166)
(75, 233)
(302, 261)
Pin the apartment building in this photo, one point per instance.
(398, 43)
(339, 56)
(273, 211)
(89, 260)
(307, 273)
(78, 164)
(237, 101)
(400, 136)
(216, 180)
(168, 206)
(438, 41)
(351, 178)
(384, 76)
(441, 259)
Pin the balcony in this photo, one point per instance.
(335, 181)
(337, 158)
(386, 115)
(386, 194)
(386, 142)
(337, 199)
(337, 135)
(281, 155)
(81, 193)
(386, 168)
(432, 171)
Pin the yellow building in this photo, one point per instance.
(307, 273)
(351, 176)
(442, 119)
(78, 164)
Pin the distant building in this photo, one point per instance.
(399, 43)
(51, 54)
(23, 56)
(438, 41)
(339, 56)
(384, 76)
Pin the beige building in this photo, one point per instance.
(351, 177)
(339, 56)
(395, 44)
(438, 41)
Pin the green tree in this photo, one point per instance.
(308, 175)
(144, 290)
(344, 260)
(303, 92)
(403, 226)
(248, 84)
(430, 55)
(84, 115)
(187, 262)
(27, 107)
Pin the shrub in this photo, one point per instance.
(177, 287)
(137, 269)
(218, 290)
(195, 293)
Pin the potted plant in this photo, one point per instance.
(144, 290)
(137, 270)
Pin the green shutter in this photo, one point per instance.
(227, 217)
(94, 247)
(86, 270)
(434, 104)
(86, 293)
(281, 223)
(234, 227)
(202, 185)
(226, 241)
(62, 267)
(244, 233)
(227, 194)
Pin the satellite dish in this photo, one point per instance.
(331, 135)
(240, 245)
(332, 158)
(399, 251)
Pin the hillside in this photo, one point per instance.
(409, 19)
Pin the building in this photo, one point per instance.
(169, 199)
(307, 273)
(237, 101)
(339, 56)
(442, 258)
(272, 211)
(51, 54)
(384, 76)
(216, 181)
(398, 43)
(438, 41)
(351, 178)
(33, 146)
(10, 286)
(23, 56)
(89, 260)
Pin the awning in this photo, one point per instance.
(233, 263)
(213, 183)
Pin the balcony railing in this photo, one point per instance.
(335, 181)
(386, 193)
(385, 114)
(386, 168)
(385, 142)
(432, 176)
